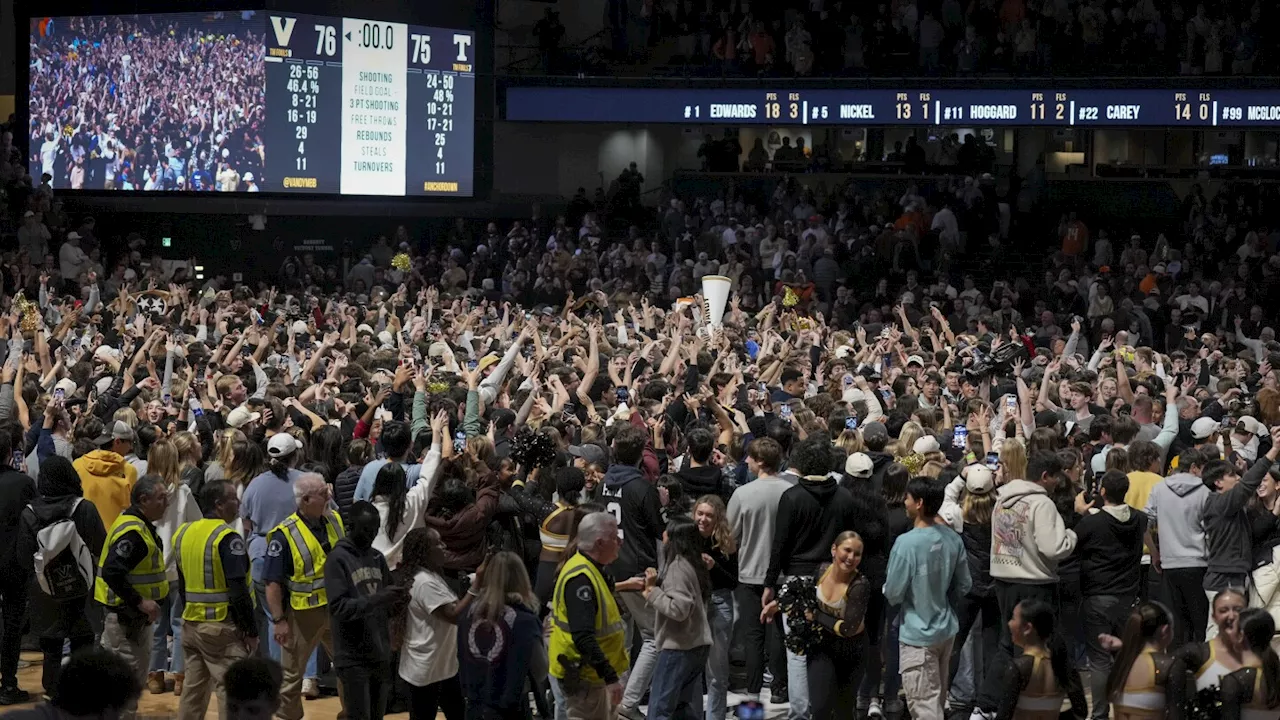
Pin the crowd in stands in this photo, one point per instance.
(102, 114)
(824, 38)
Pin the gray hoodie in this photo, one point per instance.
(1226, 527)
(1028, 537)
(1176, 508)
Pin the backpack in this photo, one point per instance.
(63, 563)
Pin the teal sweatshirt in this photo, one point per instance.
(927, 566)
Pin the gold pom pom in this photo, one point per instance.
(30, 313)
(789, 297)
(402, 262)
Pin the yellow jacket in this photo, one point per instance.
(107, 480)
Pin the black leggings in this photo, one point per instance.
(835, 671)
(970, 609)
(445, 696)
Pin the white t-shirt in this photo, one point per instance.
(48, 154)
(430, 650)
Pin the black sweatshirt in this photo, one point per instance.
(353, 577)
(702, 480)
(17, 490)
(44, 511)
(810, 516)
(724, 573)
(635, 502)
(1110, 551)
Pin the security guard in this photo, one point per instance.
(218, 625)
(588, 646)
(131, 578)
(296, 551)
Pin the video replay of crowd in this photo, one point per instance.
(148, 102)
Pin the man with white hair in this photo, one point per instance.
(294, 569)
(588, 649)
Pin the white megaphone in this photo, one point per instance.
(715, 295)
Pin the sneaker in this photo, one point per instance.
(779, 697)
(155, 682)
(13, 695)
(630, 713)
(873, 708)
(310, 688)
(177, 683)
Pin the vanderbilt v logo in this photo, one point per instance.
(283, 27)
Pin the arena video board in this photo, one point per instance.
(1023, 107)
(252, 101)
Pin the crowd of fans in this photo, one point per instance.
(940, 37)
(901, 470)
(106, 111)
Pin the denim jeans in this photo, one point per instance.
(558, 693)
(980, 626)
(797, 682)
(169, 623)
(643, 666)
(720, 617)
(677, 681)
(267, 646)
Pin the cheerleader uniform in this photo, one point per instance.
(1147, 700)
(1032, 692)
(1243, 697)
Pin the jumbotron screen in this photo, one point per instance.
(252, 102)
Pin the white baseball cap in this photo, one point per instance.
(1203, 427)
(859, 465)
(242, 416)
(926, 444)
(281, 445)
(978, 479)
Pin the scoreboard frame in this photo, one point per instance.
(1203, 103)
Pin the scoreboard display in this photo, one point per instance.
(253, 102)
(1030, 107)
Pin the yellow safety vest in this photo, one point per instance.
(205, 585)
(147, 577)
(609, 627)
(306, 585)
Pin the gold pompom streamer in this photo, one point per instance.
(789, 297)
(402, 262)
(30, 313)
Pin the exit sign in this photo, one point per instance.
(166, 242)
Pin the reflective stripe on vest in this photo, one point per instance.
(306, 584)
(147, 578)
(205, 585)
(610, 629)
